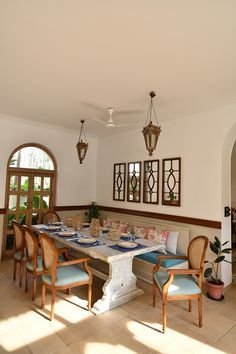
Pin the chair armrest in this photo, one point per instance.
(62, 250)
(184, 271)
(73, 261)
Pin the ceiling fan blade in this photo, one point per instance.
(110, 124)
(99, 120)
(128, 125)
(127, 112)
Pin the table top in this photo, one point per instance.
(102, 249)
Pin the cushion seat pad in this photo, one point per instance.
(17, 256)
(152, 257)
(67, 275)
(29, 265)
(181, 285)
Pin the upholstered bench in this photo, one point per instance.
(152, 257)
(144, 263)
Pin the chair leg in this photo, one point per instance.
(26, 281)
(154, 295)
(34, 287)
(43, 296)
(164, 316)
(68, 291)
(52, 304)
(189, 305)
(14, 271)
(89, 296)
(21, 274)
(199, 300)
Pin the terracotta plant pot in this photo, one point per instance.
(215, 291)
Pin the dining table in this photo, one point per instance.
(120, 282)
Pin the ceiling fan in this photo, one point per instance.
(110, 122)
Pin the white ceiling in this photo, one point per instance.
(66, 60)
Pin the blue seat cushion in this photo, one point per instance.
(152, 257)
(29, 265)
(67, 275)
(181, 285)
(17, 256)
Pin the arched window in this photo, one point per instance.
(30, 188)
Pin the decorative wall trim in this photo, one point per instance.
(183, 219)
(70, 207)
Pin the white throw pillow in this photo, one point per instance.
(172, 242)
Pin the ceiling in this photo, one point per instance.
(66, 60)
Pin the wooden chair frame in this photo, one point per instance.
(53, 271)
(45, 217)
(172, 273)
(19, 246)
(31, 257)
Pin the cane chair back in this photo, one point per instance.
(182, 284)
(196, 253)
(62, 275)
(50, 254)
(19, 250)
(49, 217)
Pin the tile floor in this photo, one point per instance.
(129, 329)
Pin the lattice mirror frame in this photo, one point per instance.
(151, 182)
(171, 181)
(134, 182)
(119, 179)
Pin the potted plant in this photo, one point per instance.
(214, 284)
(93, 212)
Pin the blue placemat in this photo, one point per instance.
(66, 237)
(50, 231)
(127, 238)
(84, 245)
(122, 249)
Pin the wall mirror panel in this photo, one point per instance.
(151, 182)
(171, 181)
(119, 176)
(134, 182)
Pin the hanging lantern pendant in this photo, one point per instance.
(81, 146)
(151, 132)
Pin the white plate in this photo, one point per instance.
(127, 244)
(67, 233)
(87, 240)
(52, 228)
(57, 223)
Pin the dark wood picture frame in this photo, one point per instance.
(119, 181)
(134, 182)
(151, 182)
(171, 181)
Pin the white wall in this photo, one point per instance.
(197, 139)
(233, 177)
(76, 183)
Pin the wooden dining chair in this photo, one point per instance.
(19, 250)
(62, 275)
(182, 284)
(49, 217)
(33, 259)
